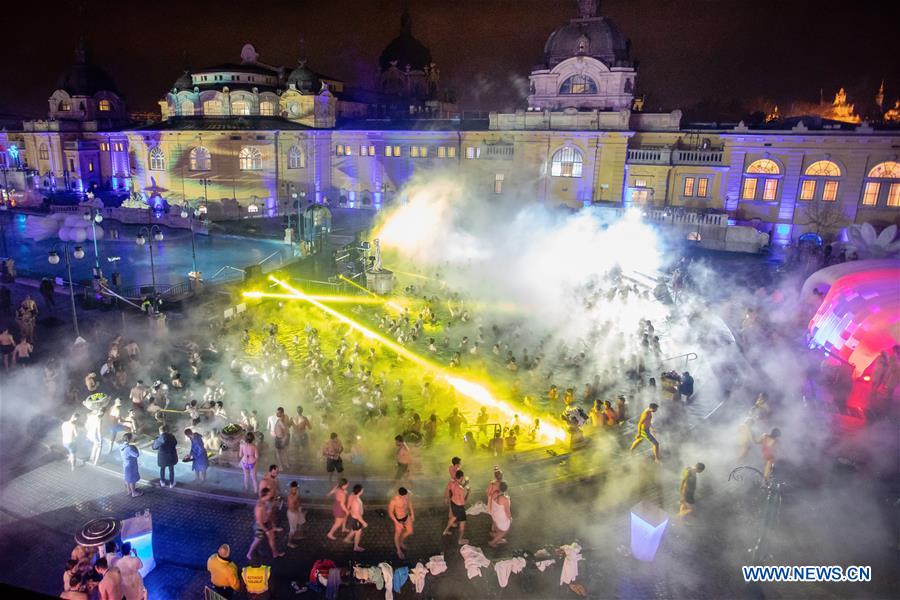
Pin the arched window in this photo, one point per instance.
(763, 185)
(104, 105)
(44, 152)
(567, 162)
(187, 108)
(296, 158)
(65, 105)
(820, 181)
(250, 158)
(578, 84)
(212, 107)
(200, 160)
(267, 108)
(883, 185)
(240, 107)
(157, 160)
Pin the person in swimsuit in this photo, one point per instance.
(457, 492)
(400, 510)
(295, 515)
(355, 520)
(249, 456)
(688, 488)
(645, 430)
(769, 442)
(338, 508)
(7, 345)
(498, 507)
(262, 524)
(404, 458)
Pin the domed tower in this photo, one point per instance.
(587, 65)
(84, 92)
(405, 66)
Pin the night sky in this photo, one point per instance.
(690, 51)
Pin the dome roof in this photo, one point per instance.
(588, 35)
(83, 78)
(303, 78)
(184, 82)
(405, 49)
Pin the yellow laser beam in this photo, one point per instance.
(470, 389)
(320, 298)
(413, 274)
(354, 284)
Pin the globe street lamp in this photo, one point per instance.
(53, 259)
(156, 233)
(93, 215)
(190, 213)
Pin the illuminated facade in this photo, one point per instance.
(250, 138)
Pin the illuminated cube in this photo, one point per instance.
(648, 524)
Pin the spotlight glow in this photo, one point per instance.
(331, 299)
(474, 391)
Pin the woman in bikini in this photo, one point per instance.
(338, 508)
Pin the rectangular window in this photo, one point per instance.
(423, 151)
(392, 151)
(640, 183)
(770, 190)
(371, 150)
(829, 194)
(91, 166)
(442, 152)
(748, 192)
(451, 151)
(640, 195)
(339, 150)
(688, 187)
(498, 183)
(870, 194)
(702, 186)
(267, 109)
(71, 165)
(473, 152)
(894, 195)
(363, 150)
(808, 189)
(414, 151)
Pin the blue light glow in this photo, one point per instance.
(645, 538)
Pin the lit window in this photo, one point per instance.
(266, 108)
(764, 166)
(104, 105)
(423, 151)
(240, 108)
(250, 159)
(702, 185)
(451, 151)
(363, 150)
(870, 193)
(640, 183)
(187, 108)
(339, 150)
(157, 160)
(567, 162)
(442, 152)
(199, 159)
(770, 190)
(748, 192)
(823, 168)
(473, 152)
(414, 151)
(829, 193)
(296, 158)
(65, 105)
(91, 166)
(212, 107)
(578, 84)
(886, 170)
(44, 152)
(498, 183)
(808, 189)
(392, 151)
(688, 187)
(640, 195)
(894, 195)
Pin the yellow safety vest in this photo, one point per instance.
(256, 579)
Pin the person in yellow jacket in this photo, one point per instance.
(256, 579)
(223, 573)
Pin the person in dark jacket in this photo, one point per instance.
(686, 387)
(166, 456)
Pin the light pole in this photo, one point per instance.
(156, 233)
(93, 215)
(204, 182)
(53, 259)
(188, 212)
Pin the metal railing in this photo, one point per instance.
(697, 157)
(688, 357)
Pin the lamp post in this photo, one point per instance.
(53, 259)
(93, 215)
(204, 182)
(188, 212)
(156, 233)
(4, 209)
